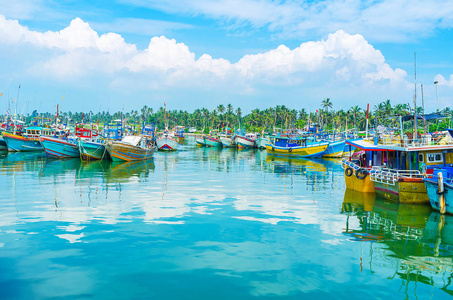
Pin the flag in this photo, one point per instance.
(367, 110)
(1, 94)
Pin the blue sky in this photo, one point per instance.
(108, 55)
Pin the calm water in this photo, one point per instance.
(211, 224)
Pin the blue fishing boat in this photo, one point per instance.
(440, 189)
(90, 144)
(335, 149)
(3, 145)
(60, 148)
(27, 140)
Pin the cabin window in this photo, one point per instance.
(434, 157)
(420, 157)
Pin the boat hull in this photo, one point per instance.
(432, 189)
(405, 190)
(123, 152)
(3, 145)
(226, 142)
(215, 143)
(20, 143)
(354, 183)
(296, 152)
(58, 148)
(244, 142)
(261, 143)
(167, 144)
(335, 149)
(92, 150)
(201, 142)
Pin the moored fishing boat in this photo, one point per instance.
(59, 147)
(440, 190)
(295, 147)
(178, 132)
(27, 140)
(246, 141)
(131, 148)
(3, 145)
(201, 141)
(227, 141)
(167, 142)
(335, 149)
(212, 141)
(261, 142)
(90, 144)
(396, 167)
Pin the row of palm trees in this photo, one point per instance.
(259, 120)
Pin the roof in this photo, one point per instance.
(132, 139)
(367, 146)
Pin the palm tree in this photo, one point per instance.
(326, 104)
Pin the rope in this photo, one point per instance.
(83, 148)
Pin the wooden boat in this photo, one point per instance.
(395, 168)
(178, 132)
(130, 148)
(90, 144)
(59, 147)
(3, 145)
(440, 190)
(261, 142)
(246, 141)
(295, 147)
(27, 140)
(201, 141)
(227, 141)
(335, 149)
(167, 142)
(212, 141)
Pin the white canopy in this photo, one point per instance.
(134, 140)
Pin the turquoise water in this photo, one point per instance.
(211, 224)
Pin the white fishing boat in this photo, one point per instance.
(167, 142)
(246, 141)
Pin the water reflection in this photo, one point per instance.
(416, 241)
(237, 222)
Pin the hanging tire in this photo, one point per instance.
(361, 173)
(290, 150)
(348, 171)
(273, 149)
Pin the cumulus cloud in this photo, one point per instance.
(384, 20)
(78, 50)
(442, 81)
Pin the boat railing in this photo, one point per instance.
(391, 176)
(405, 141)
(352, 164)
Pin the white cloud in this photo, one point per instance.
(78, 51)
(442, 81)
(384, 20)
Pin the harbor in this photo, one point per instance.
(247, 224)
(253, 149)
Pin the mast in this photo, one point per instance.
(423, 107)
(415, 97)
(15, 110)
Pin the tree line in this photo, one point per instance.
(258, 120)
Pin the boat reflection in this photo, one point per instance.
(21, 161)
(121, 172)
(289, 165)
(53, 168)
(417, 241)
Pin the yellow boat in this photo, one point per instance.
(295, 147)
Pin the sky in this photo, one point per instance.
(121, 55)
